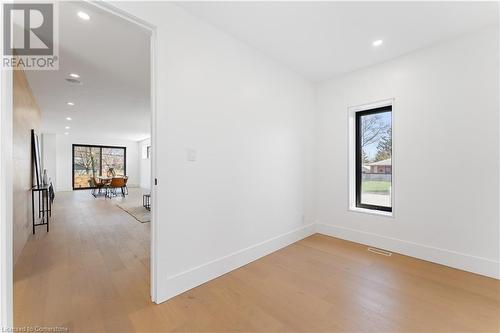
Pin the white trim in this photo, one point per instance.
(6, 239)
(498, 146)
(371, 105)
(6, 236)
(107, 5)
(198, 275)
(155, 226)
(370, 211)
(454, 259)
(351, 157)
(191, 278)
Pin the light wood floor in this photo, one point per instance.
(90, 274)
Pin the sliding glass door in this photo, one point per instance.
(90, 161)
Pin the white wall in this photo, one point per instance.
(446, 153)
(249, 121)
(64, 157)
(144, 164)
(49, 156)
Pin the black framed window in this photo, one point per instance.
(374, 159)
(90, 161)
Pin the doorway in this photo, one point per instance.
(65, 174)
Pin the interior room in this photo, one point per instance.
(82, 139)
(281, 167)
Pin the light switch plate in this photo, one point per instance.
(191, 155)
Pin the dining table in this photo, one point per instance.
(105, 179)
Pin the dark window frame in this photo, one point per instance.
(100, 162)
(359, 160)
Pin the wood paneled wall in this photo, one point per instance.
(27, 115)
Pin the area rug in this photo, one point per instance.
(140, 213)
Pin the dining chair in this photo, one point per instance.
(97, 187)
(125, 179)
(116, 183)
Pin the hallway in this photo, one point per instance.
(94, 263)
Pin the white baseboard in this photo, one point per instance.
(196, 276)
(466, 262)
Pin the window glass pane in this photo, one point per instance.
(90, 162)
(375, 138)
(86, 165)
(113, 162)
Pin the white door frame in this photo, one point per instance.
(6, 236)
(6, 223)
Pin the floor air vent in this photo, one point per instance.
(379, 251)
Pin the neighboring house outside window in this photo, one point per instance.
(371, 158)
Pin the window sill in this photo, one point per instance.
(371, 211)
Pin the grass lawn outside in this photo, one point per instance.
(375, 186)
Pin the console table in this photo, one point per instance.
(44, 206)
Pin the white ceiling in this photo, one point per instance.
(316, 39)
(111, 56)
(322, 39)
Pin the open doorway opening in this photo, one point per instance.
(91, 120)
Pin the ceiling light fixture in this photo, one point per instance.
(73, 81)
(66, 133)
(76, 76)
(83, 16)
(378, 42)
(68, 118)
(67, 127)
(71, 104)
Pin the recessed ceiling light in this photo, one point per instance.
(68, 118)
(83, 16)
(76, 76)
(378, 42)
(73, 81)
(71, 104)
(66, 133)
(67, 127)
